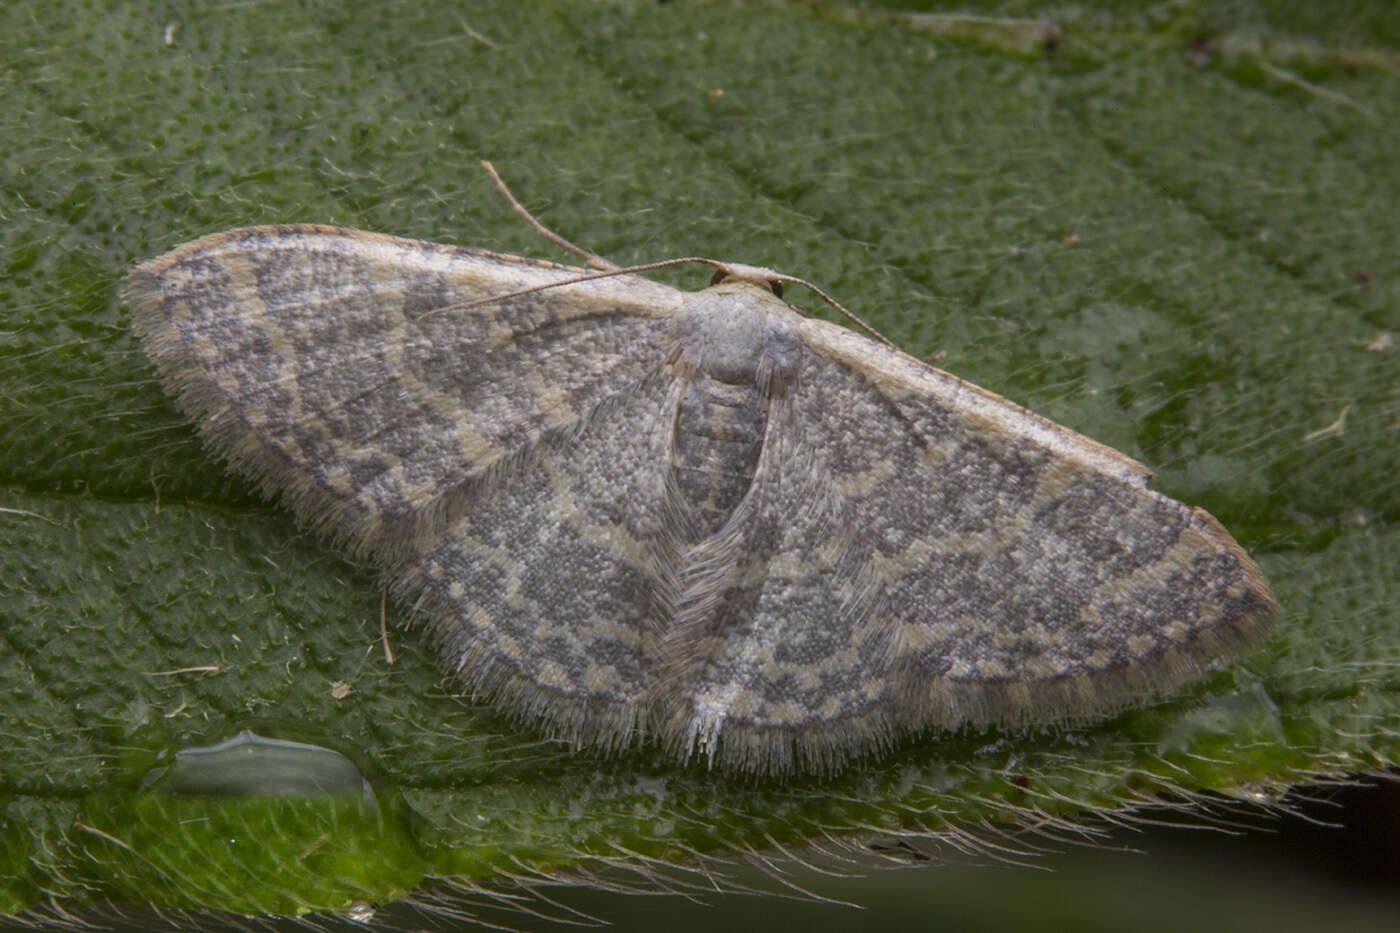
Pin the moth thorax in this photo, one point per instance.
(719, 434)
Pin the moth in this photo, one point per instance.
(701, 519)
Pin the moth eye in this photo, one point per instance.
(717, 277)
(777, 288)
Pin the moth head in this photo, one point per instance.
(773, 281)
(739, 272)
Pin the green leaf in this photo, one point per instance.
(1172, 231)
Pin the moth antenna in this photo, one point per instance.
(594, 260)
(611, 268)
(573, 280)
(840, 308)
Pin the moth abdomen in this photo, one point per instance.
(718, 437)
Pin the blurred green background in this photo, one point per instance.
(1169, 226)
